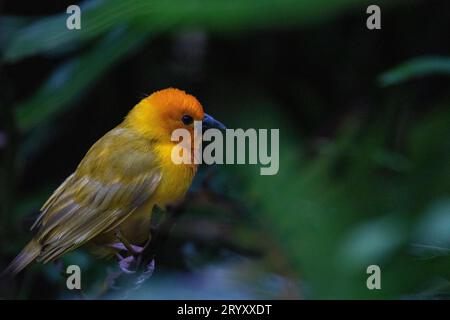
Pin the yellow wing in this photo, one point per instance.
(118, 175)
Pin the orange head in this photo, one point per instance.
(158, 115)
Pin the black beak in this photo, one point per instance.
(209, 123)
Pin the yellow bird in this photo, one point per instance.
(111, 194)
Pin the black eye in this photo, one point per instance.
(187, 120)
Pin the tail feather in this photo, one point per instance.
(24, 258)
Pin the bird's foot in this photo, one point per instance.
(132, 261)
(125, 244)
(128, 265)
(131, 248)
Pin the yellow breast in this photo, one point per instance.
(176, 178)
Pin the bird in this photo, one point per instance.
(110, 196)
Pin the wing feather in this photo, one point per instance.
(114, 179)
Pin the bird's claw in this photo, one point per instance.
(120, 246)
(133, 262)
(128, 265)
(125, 244)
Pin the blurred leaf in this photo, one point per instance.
(9, 26)
(433, 230)
(339, 211)
(371, 242)
(98, 16)
(50, 33)
(416, 68)
(74, 77)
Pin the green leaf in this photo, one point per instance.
(416, 68)
(97, 17)
(75, 76)
(433, 229)
(46, 34)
